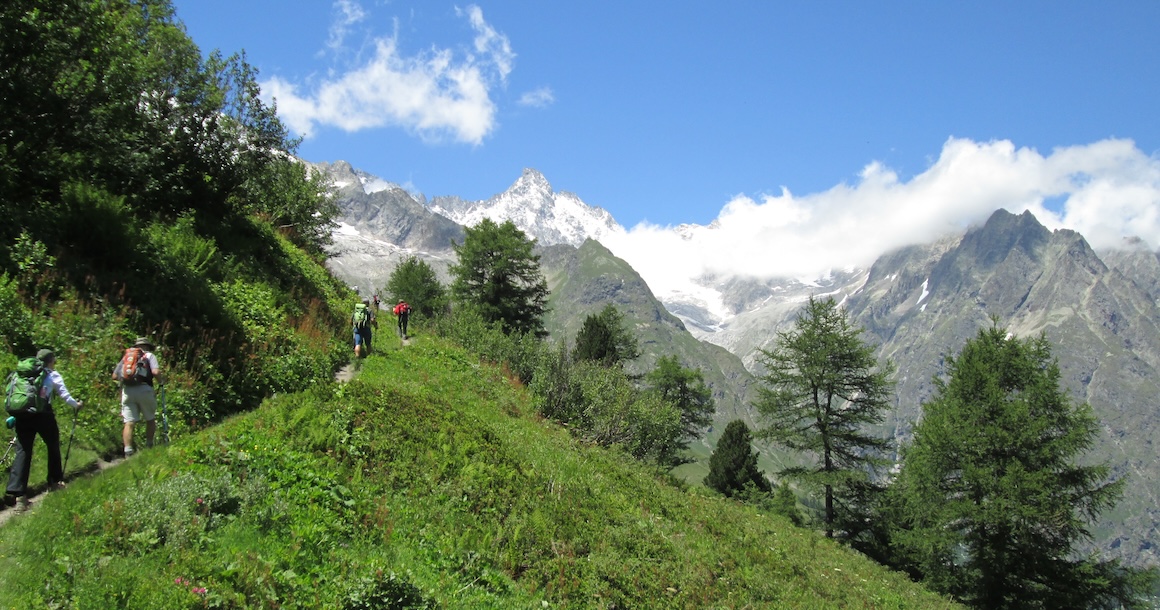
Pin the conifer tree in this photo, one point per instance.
(992, 491)
(821, 389)
(498, 276)
(604, 338)
(733, 464)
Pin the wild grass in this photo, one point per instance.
(428, 481)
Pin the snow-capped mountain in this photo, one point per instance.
(548, 216)
(917, 305)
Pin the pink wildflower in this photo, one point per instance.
(199, 590)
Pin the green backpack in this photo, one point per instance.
(24, 394)
(362, 317)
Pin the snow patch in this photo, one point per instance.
(925, 292)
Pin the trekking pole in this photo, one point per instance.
(11, 423)
(64, 470)
(8, 452)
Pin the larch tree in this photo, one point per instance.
(821, 390)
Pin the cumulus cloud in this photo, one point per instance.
(538, 98)
(435, 94)
(1108, 189)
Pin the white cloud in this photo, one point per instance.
(1110, 189)
(492, 44)
(347, 13)
(538, 98)
(435, 94)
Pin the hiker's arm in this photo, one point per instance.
(155, 368)
(61, 390)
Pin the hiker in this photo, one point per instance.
(376, 303)
(402, 311)
(361, 322)
(137, 371)
(43, 423)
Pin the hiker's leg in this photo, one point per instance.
(18, 476)
(147, 411)
(130, 415)
(50, 432)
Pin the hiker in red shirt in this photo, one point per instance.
(402, 311)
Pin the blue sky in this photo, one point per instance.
(668, 113)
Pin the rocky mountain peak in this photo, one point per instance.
(531, 183)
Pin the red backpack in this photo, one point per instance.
(133, 368)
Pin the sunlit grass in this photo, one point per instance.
(429, 479)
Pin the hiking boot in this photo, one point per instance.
(59, 485)
(128, 451)
(22, 504)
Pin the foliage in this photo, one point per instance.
(15, 319)
(993, 493)
(819, 392)
(427, 481)
(603, 406)
(733, 465)
(415, 282)
(116, 95)
(498, 276)
(605, 339)
(295, 201)
(686, 390)
(519, 353)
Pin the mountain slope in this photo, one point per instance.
(428, 481)
(922, 303)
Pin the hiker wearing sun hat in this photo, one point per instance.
(137, 371)
(43, 422)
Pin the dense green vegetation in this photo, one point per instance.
(430, 478)
(147, 191)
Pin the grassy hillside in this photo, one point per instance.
(428, 479)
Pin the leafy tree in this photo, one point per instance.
(733, 465)
(819, 393)
(686, 390)
(604, 338)
(992, 491)
(415, 282)
(294, 201)
(115, 96)
(498, 276)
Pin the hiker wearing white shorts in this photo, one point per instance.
(138, 400)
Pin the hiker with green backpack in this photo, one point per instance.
(361, 322)
(28, 398)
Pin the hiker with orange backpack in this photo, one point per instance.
(137, 371)
(402, 311)
(35, 416)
